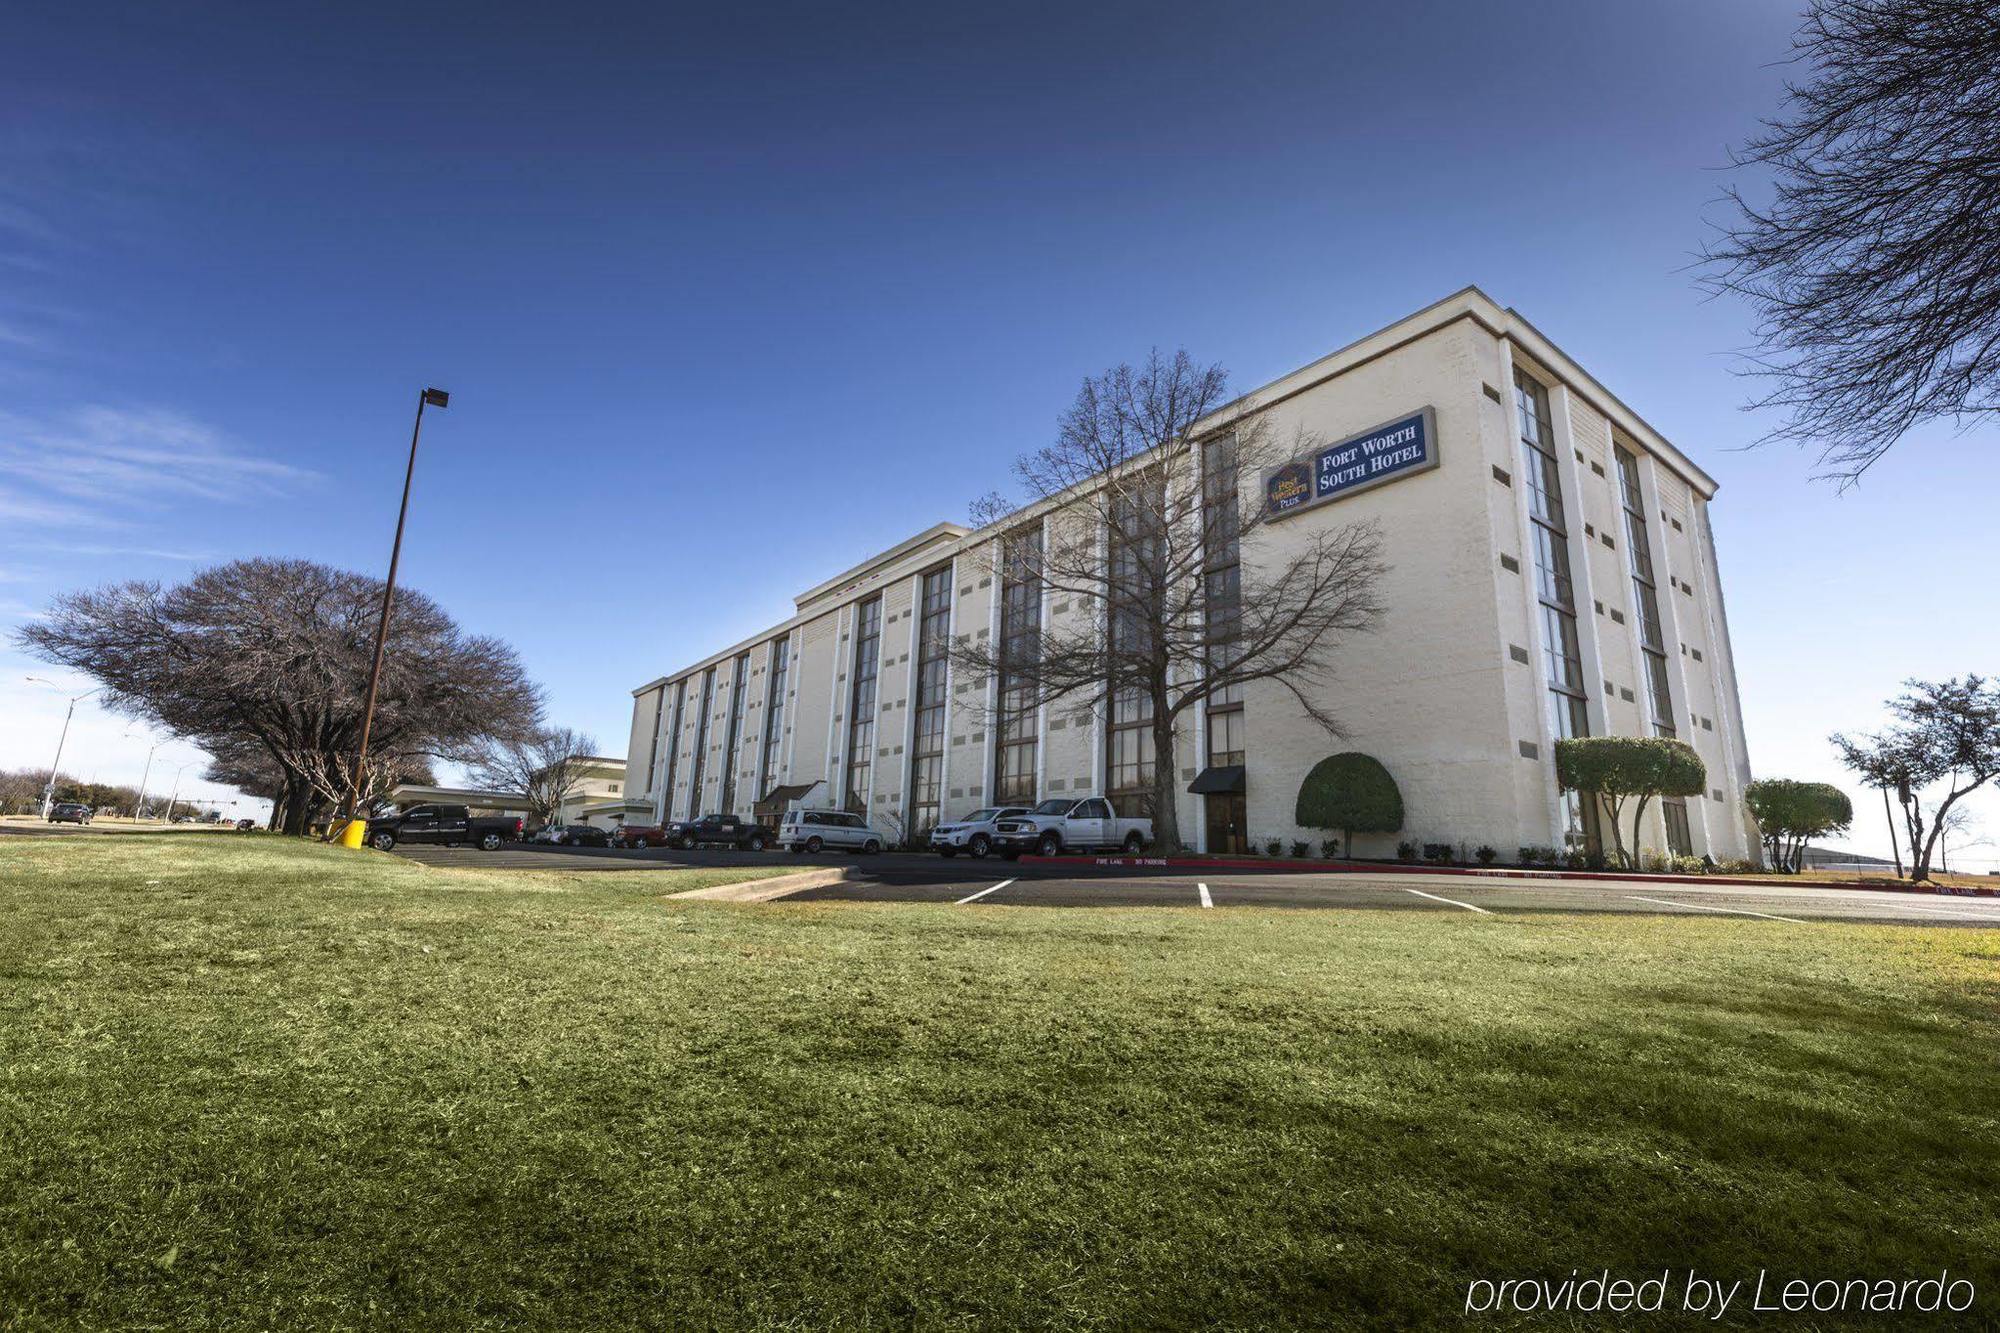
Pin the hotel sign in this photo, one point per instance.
(1388, 452)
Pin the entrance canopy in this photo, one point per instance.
(1216, 780)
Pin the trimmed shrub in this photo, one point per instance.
(1487, 856)
(1406, 851)
(1790, 814)
(1616, 770)
(1329, 848)
(1349, 793)
(1437, 852)
(1275, 847)
(1299, 850)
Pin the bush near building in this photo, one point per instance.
(1790, 813)
(1348, 794)
(1619, 770)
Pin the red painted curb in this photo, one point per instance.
(1403, 868)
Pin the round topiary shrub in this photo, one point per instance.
(1350, 793)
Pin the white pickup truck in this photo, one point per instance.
(1071, 824)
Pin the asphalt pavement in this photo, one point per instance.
(903, 877)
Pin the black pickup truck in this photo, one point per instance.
(451, 825)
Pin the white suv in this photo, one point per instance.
(815, 830)
(975, 834)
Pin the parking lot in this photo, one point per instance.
(892, 877)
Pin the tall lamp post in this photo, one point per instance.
(177, 790)
(139, 809)
(428, 398)
(49, 792)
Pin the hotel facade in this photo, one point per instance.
(1550, 572)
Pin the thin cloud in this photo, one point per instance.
(116, 458)
(148, 552)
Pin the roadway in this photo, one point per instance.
(892, 877)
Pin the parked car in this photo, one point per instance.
(585, 835)
(723, 831)
(814, 830)
(451, 825)
(69, 812)
(975, 834)
(1071, 824)
(632, 836)
(246, 824)
(547, 833)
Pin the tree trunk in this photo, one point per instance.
(1638, 817)
(1895, 849)
(1166, 767)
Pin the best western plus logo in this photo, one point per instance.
(1289, 487)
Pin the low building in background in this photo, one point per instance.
(1551, 573)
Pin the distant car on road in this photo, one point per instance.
(815, 830)
(451, 825)
(722, 831)
(246, 824)
(69, 812)
(976, 834)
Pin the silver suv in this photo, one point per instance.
(975, 834)
(815, 830)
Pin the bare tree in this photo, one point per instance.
(547, 766)
(1156, 544)
(1946, 734)
(274, 655)
(1875, 267)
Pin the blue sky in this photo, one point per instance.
(692, 275)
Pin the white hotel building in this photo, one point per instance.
(1551, 572)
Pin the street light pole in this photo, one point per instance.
(49, 792)
(177, 790)
(430, 398)
(139, 809)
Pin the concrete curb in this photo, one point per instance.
(766, 890)
(1305, 866)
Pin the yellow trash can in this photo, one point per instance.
(354, 834)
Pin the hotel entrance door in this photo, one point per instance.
(1225, 822)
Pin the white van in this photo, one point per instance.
(815, 830)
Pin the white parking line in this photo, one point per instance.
(975, 897)
(1206, 901)
(1704, 907)
(1453, 901)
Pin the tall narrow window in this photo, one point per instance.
(774, 711)
(1645, 595)
(927, 748)
(695, 774)
(1134, 611)
(673, 751)
(739, 693)
(659, 725)
(1222, 594)
(1020, 635)
(1549, 529)
(861, 703)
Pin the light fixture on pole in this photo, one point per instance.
(49, 792)
(428, 398)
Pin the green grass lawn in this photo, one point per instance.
(245, 1082)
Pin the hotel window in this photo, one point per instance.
(774, 710)
(1679, 840)
(659, 724)
(927, 748)
(695, 775)
(1554, 587)
(739, 691)
(861, 703)
(1020, 634)
(1645, 596)
(1135, 596)
(1222, 594)
(673, 752)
